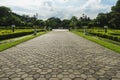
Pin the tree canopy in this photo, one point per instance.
(111, 19)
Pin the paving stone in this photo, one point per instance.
(16, 79)
(71, 70)
(71, 75)
(41, 79)
(28, 79)
(53, 79)
(91, 78)
(2, 75)
(60, 76)
(21, 73)
(78, 79)
(24, 75)
(43, 73)
(66, 79)
(39, 70)
(4, 78)
(92, 71)
(115, 79)
(49, 70)
(118, 75)
(83, 76)
(54, 75)
(36, 76)
(18, 70)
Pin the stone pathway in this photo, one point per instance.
(59, 55)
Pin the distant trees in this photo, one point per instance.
(102, 20)
(8, 18)
(65, 23)
(85, 20)
(39, 23)
(78, 23)
(53, 22)
(4, 11)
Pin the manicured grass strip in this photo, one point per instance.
(11, 44)
(101, 42)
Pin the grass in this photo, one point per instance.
(5, 46)
(106, 44)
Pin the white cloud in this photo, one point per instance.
(57, 8)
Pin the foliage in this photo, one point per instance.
(111, 19)
(53, 22)
(100, 32)
(7, 34)
(104, 35)
(65, 23)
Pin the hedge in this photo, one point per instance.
(105, 35)
(13, 35)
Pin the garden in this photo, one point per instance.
(8, 33)
(112, 34)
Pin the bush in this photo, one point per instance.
(105, 35)
(19, 34)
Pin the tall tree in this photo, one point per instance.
(115, 20)
(4, 14)
(73, 22)
(65, 23)
(102, 19)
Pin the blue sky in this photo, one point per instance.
(63, 9)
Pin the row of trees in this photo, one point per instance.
(74, 22)
(111, 19)
(7, 18)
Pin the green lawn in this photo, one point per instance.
(7, 45)
(106, 44)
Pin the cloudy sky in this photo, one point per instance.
(63, 9)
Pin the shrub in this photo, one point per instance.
(105, 35)
(18, 34)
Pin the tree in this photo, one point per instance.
(65, 23)
(4, 14)
(111, 19)
(7, 17)
(115, 20)
(53, 22)
(12, 19)
(84, 21)
(39, 23)
(102, 19)
(116, 8)
(73, 22)
(4, 11)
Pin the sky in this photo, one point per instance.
(63, 9)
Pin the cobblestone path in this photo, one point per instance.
(59, 55)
